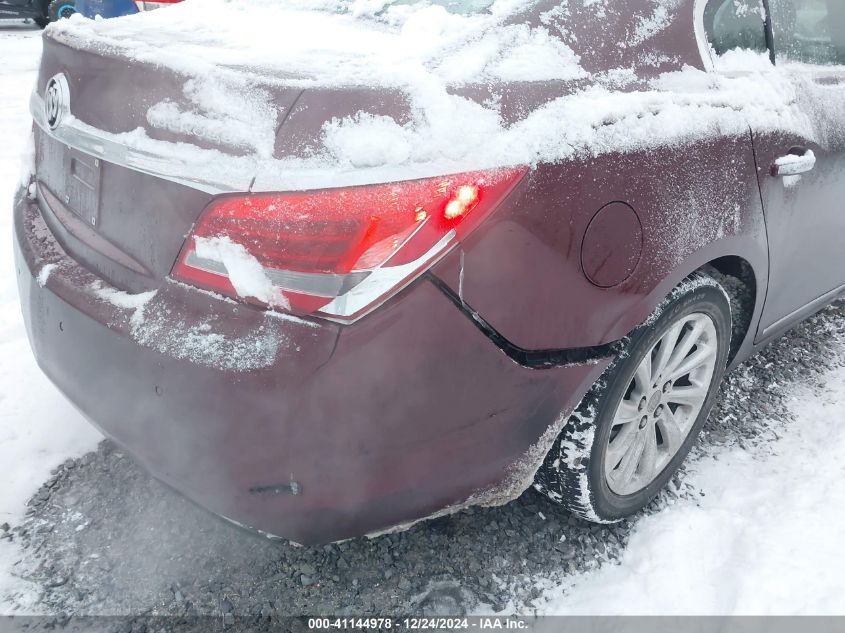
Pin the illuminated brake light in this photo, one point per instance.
(338, 252)
(462, 202)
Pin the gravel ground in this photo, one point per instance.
(102, 537)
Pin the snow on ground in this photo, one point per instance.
(762, 540)
(38, 428)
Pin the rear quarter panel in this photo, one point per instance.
(522, 270)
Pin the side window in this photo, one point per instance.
(809, 31)
(734, 24)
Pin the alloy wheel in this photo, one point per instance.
(661, 404)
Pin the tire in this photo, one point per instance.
(41, 21)
(59, 9)
(588, 476)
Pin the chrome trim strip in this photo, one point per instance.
(351, 293)
(701, 35)
(803, 312)
(326, 285)
(73, 133)
(237, 174)
(386, 282)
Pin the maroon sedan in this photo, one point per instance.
(331, 271)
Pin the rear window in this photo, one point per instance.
(735, 24)
(810, 31)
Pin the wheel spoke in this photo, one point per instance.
(667, 346)
(628, 465)
(628, 411)
(687, 396)
(703, 354)
(643, 375)
(648, 461)
(672, 434)
(688, 340)
(620, 445)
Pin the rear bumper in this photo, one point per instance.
(305, 430)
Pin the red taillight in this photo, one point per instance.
(336, 252)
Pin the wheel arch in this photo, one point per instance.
(737, 276)
(745, 279)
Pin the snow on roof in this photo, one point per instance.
(331, 42)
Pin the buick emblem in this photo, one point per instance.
(56, 98)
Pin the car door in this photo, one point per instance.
(802, 173)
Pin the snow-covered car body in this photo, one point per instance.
(634, 152)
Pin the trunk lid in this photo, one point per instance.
(167, 109)
(144, 148)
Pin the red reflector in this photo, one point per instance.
(316, 246)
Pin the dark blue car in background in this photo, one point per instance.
(35, 10)
(112, 8)
(44, 11)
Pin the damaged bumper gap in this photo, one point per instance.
(534, 359)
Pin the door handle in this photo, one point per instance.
(797, 161)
